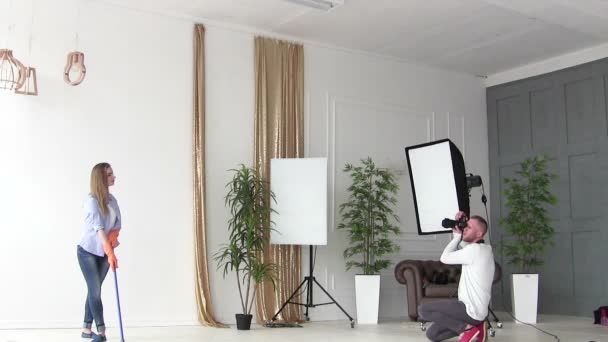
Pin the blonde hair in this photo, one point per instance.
(99, 186)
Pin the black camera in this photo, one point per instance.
(460, 224)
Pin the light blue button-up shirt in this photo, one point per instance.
(94, 220)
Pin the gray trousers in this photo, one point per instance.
(449, 318)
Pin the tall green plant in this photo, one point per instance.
(249, 201)
(368, 217)
(526, 197)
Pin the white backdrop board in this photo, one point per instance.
(300, 187)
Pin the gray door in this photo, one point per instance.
(564, 115)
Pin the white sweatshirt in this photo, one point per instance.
(475, 287)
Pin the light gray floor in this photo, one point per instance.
(569, 329)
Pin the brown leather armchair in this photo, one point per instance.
(417, 275)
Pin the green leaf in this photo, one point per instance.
(368, 216)
(249, 202)
(527, 223)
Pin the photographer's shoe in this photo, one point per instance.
(470, 334)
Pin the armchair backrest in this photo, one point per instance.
(430, 267)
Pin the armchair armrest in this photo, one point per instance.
(409, 272)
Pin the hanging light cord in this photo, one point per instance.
(9, 28)
(29, 43)
(76, 33)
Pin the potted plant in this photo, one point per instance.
(249, 201)
(368, 218)
(526, 197)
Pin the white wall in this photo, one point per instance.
(230, 114)
(134, 111)
(359, 106)
(137, 115)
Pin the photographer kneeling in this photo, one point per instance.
(467, 314)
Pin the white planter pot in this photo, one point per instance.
(524, 297)
(367, 292)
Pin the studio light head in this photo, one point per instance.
(473, 181)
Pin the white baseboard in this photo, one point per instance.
(6, 325)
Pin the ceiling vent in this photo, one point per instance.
(324, 5)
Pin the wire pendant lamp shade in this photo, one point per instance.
(30, 86)
(12, 71)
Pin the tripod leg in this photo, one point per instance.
(333, 300)
(308, 297)
(287, 301)
(498, 322)
(494, 315)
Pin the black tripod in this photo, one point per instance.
(308, 281)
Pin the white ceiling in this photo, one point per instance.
(480, 37)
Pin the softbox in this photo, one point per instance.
(439, 184)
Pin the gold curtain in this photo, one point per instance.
(279, 133)
(203, 293)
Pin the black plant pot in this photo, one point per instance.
(243, 322)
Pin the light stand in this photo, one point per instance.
(308, 282)
(475, 181)
(300, 217)
(484, 200)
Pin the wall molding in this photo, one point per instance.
(384, 107)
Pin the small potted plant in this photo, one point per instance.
(529, 226)
(249, 201)
(369, 220)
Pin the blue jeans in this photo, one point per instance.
(94, 269)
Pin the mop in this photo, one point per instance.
(113, 238)
(122, 336)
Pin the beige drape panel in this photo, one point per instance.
(203, 293)
(279, 133)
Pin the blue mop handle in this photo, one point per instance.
(122, 336)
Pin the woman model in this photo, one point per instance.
(95, 250)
